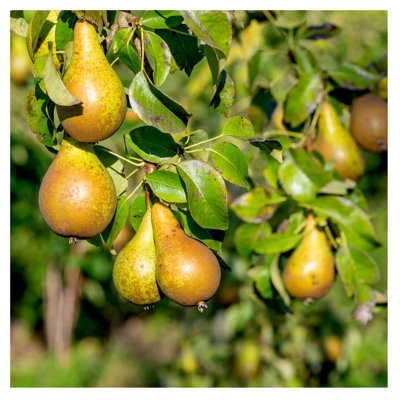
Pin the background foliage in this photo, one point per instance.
(242, 340)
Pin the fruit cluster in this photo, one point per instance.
(77, 197)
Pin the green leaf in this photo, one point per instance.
(216, 61)
(119, 220)
(351, 76)
(155, 108)
(238, 127)
(290, 19)
(137, 210)
(303, 99)
(349, 217)
(151, 144)
(211, 238)
(247, 235)
(262, 277)
(36, 115)
(195, 137)
(39, 67)
(161, 55)
(358, 271)
(121, 38)
(337, 187)
(128, 55)
(55, 87)
(212, 27)
(277, 281)
(167, 186)
(230, 162)
(94, 16)
(357, 197)
(18, 23)
(162, 19)
(65, 29)
(114, 167)
(305, 60)
(256, 206)
(224, 95)
(277, 243)
(206, 194)
(184, 49)
(268, 146)
(301, 175)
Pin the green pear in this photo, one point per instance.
(91, 79)
(334, 142)
(310, 270)
(77, 196)
(187, 271)
(135, 267)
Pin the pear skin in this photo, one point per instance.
(135, 267)
(20, 62)
(310, 270)
(77, 196)
(187, 271)
(369, 122)
(92, 80)
(335, 142)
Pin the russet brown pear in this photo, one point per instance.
(187, 271)
(334, 142)
(92, 80)
(369, 122)
(134, 271)
(310, 270)
(77, 196)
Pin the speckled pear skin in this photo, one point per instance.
(187, 271)
(134, 271)
(310, 270)
(335, 142)
(77, 196)
(91, 79)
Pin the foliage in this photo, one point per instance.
(239, 179)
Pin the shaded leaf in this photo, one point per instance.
(55, 87)
(121, 38)
(230, 161)
(268, 146)
(303, 99)
(151, 144)
(184, 49)
(211, 238)
(94, 16)
(155, 108)
(353, 77)
(167, 186)
(206, 194)
(128, 55)
(323, 31)
(137, 210)
(38, 29)
(162, 19)
(277, 281)
(196, 137)
(224, 94)
(290, 19)
(18, 23)
(262, 277)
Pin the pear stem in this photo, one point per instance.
(197, 150)
(330, 237)
(205, 141)
(132, 173)
(201, 305)
(133, 192)
(114, 61)
(142, 49)
(284, 133)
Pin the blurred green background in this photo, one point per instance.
(69, 327)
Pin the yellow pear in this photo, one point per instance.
(134, 270)
(310, 270)
(20, 62)
(187, 271)
(91, 79)
(334, 142)
(77, 196)
(369, 122)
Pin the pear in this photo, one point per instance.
(369, 122)
(334, 142)
(187, 271)
(20, 62)
(77, 196)
(135, 266)
(91, 79)
(123, 237)
(310, 270)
